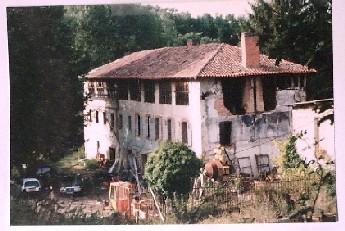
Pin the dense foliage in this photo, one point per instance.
(45, 98)
(169, 170)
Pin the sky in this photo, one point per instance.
(200, 7)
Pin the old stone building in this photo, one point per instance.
(202, 95)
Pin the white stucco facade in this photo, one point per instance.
(317, 141)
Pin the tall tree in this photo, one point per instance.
(43, 113)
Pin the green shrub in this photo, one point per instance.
(170, 168)
(91, 164)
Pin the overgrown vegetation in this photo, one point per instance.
(68, 161)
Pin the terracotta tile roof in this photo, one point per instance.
(207, 60)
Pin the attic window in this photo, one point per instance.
(91, 88)
(134, 90)
(165, 93)
(182, 93)
(149, 92)
(122, 90)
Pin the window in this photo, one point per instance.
(111, 153)
(100, 88)
(143, 162)
(104, 117)
(98, 145)
(165, 93)
(91, 88)
(138, 125)
(90, 115)
(97, 120)
(181, 89)
(129, 123)
(149, 92)
(122, 90)
(225, 133)
(148, 126)
(120, 122)
(184, 133)
(156, 128)
(233, 95)
(112, 121)
(134, 90)
(169, 129)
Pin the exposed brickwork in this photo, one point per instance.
(249, 95)
(219, 106)
(250, 50)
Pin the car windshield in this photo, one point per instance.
(31, 184)
(71, 181)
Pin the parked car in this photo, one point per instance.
(31, 185)
(72, 185)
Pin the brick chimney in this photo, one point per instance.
(250, 50)
(191, 42)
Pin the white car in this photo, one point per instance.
(31, 185)
(71, 185)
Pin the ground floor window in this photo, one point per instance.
(225, 133)
(111, 154)
(156, 128)
(112, 121)
(184, 132)
(138, 125)
(169, 130)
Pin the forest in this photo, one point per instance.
(51, 48)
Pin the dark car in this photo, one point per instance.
(72, 185)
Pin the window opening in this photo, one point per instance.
(122, 90)
(148, 126)
(134, 90)
(97, 117)
(165, 93)
(104, 117)
(184, 132)
(156, 128)
(182, 93)
(129, 123)
(138, 127)
(149, 92)
(120, 122)
(169, 130)
(225, 129)
(112, 121)
(111, 154)
(233, 95)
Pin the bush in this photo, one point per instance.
(91, 164)
(170, 168)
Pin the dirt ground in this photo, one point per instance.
(80, 206)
